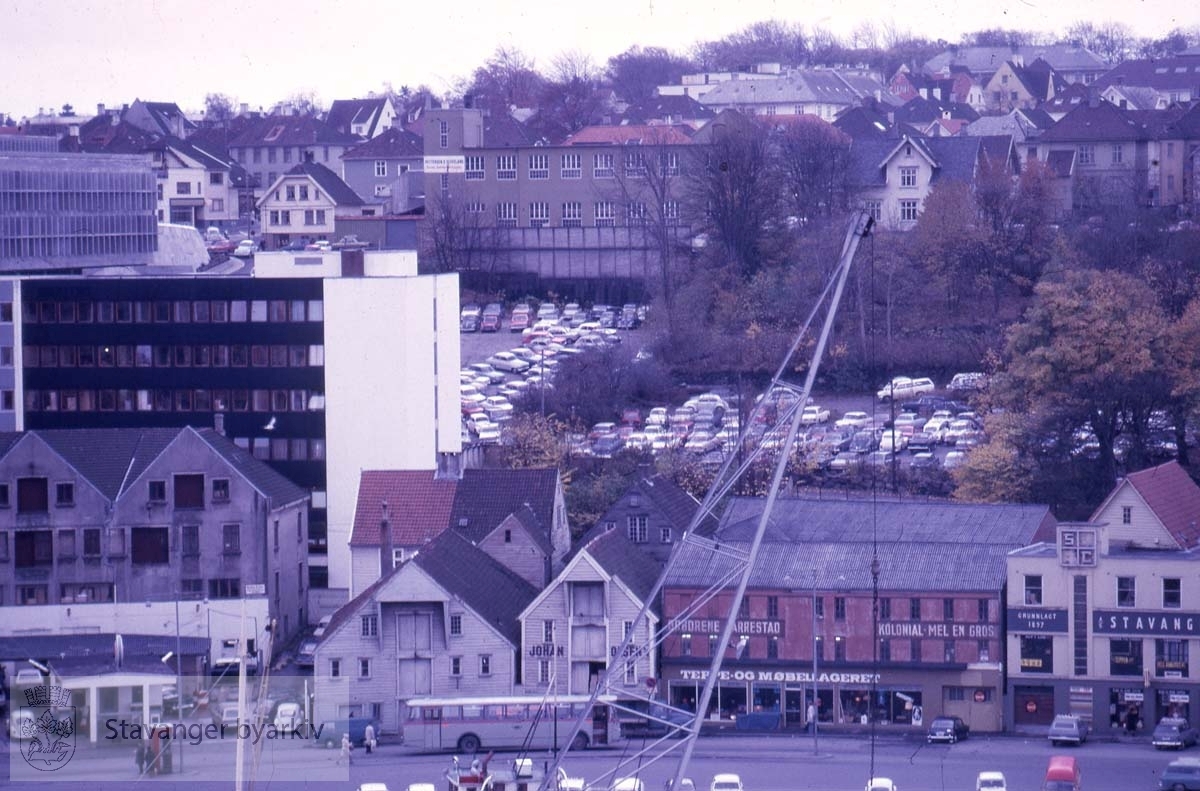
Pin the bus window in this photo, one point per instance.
(452, 712)
(430, 714)
(520, 712)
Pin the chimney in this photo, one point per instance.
(244, 109)
(100, 108)
(386, 553)
(219, 423)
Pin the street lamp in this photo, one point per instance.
(815, 700)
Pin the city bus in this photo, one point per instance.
(511, 722)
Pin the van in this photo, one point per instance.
(1181, 775)
(330, 733)
(1062, 774)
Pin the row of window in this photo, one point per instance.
(284, 217)
(1087, 154)
(570, 166)
(283, 449)
(294, 192)
(147, 546)
(604, 214)
(917, 649)
(910, 209)
(33, 493)
(180, 311)
(183, 400)
(179, 356)
(1124, 656)
(1171, 589)
(771, 607)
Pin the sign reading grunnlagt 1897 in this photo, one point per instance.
(1139, 622)
(1025, 620)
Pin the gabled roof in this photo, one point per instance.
(102, 136)
(289, 130)
(504, 131)
(1015, 124)
(861, 122)
(539, 532)
(1070, 97)
(823, 86)
(621, 559)
(663, 108)
(1095, 122)
(161, 115)
(920, 110)
(418, 506)
(1172, 495)
(632, 134)
(491, 590)
(344, 113)
(390, 144)
(1163, 74)
(952, 158)
(486, 496)
(338, 190)
(277, 489)
(985, 60)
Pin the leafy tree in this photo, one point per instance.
(999, 471)
(638, 71)
(947, 238)
(508, 79)
(1085, 355)
(67, 109)
(532, 440)
(218, 109)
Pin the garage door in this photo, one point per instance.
(1034, 705)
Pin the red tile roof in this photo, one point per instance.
(418, 506)
(1173, 497)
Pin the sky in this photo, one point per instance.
(112, 52)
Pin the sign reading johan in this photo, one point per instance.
(1182, 624)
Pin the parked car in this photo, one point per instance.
(304, 655)
(1062, 774)
(813, 415)
(1067, 729)
(330, 733)
(947, 729)
(498, 407)
(350, 242)
(967, 382)
(853, 420)
(319, 246)
(507, 361)
(1182, 774)
(289, 717)
(863, 442)
(726, 782)
(880, 784)
(1173, 732)
(607, 446)
(991, 781)
(490, 322)
(322, 625)
(904, 387)
(520, 319)
(225, 716)
(922, 442)
(245, 249)
(483, 369)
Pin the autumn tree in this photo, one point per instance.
(813, 159)
(533, 441)
(947, 238)
(1087, 353)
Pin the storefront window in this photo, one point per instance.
(766, 697)
(1124, 704)
(1171, 658)
(1037, 654)
(1125, 657)
(1175, 703)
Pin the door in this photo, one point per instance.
(416, 677)
(414, 632)
(1033, 705)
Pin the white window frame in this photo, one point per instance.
(605, 214)
(572, 166)
(572, 214)
(539, 214)
(539, 167)
(474, 169)
(506, 167)
(602, 166)
(381, 168)
(910, 210)
(456, 625)
(908, 177)
(637, 529)
(506, 214)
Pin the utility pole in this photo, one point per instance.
(816, 701)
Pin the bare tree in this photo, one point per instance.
(509, 79)
(813, 163)
(636, 73)
(457, 238)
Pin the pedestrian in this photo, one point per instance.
(140, 757)
(1131, 720)
(344, 754)
(812, 716)
(369, 738)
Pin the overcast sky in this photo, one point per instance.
(85, 51)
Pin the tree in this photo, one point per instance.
(734, 187)
(638, 71)
(813, 163)
(533, 441)
(571, 97)
(456, 238)
(947, 238)
(768, 41)
(1112, 41)
(1087, 354)
(509, 79)
(998, 471)
(219, 109)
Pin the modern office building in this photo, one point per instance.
(320, 365)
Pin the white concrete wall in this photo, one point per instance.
(391, 373)
(312, 263)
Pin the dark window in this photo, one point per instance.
(191, 539)
(1172, 594)
(885, 650)
(947, 609)
(189, 491)
(914, 650)
(1033, 589)
(4, 501)
(149, 545)
(839, 649)
(1125, 657)
(983, 610)
(772, 606)
(224, 588)
(32, 496)
(64, 494)
(885, 609)
(33, 548)
(220, 490)
(949, 650)
(370, 626)
(91, 542)
(773, 648)
(685, 645)
(158, 491)
(231, 539)
(819, 606)
(1126, 592)
(839, 608)
(914, 609)
(1037, 654)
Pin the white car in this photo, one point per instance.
(289, 717)
(489, 435)
(893, 441)
(813, 414)
(478, 422)
(904, 387)
(659, 416)
(245, 249)
(483, 369)
(991, 781)
(880, 784)
(853, 420)
(726, 782)
(507, 361)
(498, 407)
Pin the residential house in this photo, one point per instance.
(820, 92)
(443, 622)
(653, 513)
(573, 631)
(1023, 126)
(303, 204)
(1173, 80)
(1014, 87)
(1112, 156)
(697, 86)
(958, 86)
(668, 110)
(892, 177)
(388, 168)
(1067, 100)
(1104, 616)
(96, 517)
(937, 118)
(518, 517)
(162, 119)
(1073, 64)
(919, 638)
(365, 118)
(270, 146)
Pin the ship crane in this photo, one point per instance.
(740, 563)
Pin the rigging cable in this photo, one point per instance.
(874, 537)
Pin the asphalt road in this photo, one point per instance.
(774, 763)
